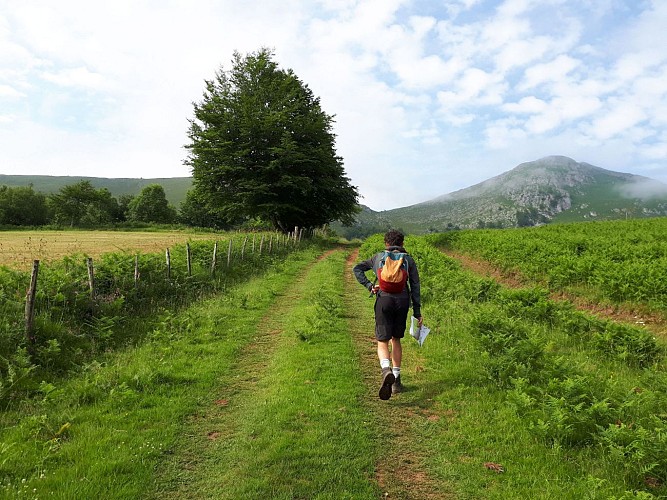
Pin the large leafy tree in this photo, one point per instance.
(81, 204)
(194, 211)
(151, 205)
(262, 148)
(22, 206)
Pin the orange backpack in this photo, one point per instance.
(393, 271)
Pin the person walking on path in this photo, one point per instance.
(398, 286)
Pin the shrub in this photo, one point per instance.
(511, 349)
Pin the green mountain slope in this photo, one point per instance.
(555, 188)
(175, 188)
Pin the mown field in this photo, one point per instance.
(19, 248)
(265, 386)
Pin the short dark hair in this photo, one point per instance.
(394, 238)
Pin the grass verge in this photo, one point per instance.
(102, 433)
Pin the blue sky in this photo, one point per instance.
(438, 94)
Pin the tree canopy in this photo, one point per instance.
(262, 148)
(22, 206)
(81, 204)
(151, 205)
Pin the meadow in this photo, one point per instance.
(18, 249)
(262, 383)
(615, 261)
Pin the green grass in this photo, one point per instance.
(102, 433)
(618, 262)
(270, 391)
(462, 417)
(486, 425)
(290, 424)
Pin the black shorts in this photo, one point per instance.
(391, 314)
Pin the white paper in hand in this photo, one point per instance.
(419, 333)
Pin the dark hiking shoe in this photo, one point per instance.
(397, 387)
(387, 381)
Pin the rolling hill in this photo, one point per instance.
(174, 188)
(552, 189)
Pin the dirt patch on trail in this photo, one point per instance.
(654, 322)
(401, 471)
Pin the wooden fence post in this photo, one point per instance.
(243, 247)
(229, 252)
(215, 258)
(91, 277)
(30, 304)
(168, 257)
(261, 244)
(136, 271)
(253, 243)
(189, 257)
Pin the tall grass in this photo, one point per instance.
(101, 432)
(614, 261)
(72, 328)
(564, 401)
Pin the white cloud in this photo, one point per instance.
(109, 86)
(620, 118)
(475, 87)
(504, 134)
(519, 53)
(636, 64)
(647, 32)
(657, 150)
(8, 91)
(574, 106)
(530, 104)
(75, 77)
(551, 72)
(513, 8)
(455, 7)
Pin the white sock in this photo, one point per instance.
(397, 371)
(385, 363)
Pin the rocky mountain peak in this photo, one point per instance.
(553, 188)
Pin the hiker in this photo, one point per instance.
(398, 284)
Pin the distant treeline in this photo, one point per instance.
(82, 205)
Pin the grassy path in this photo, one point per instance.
(287, 420)
(401, 470)
(297, 415)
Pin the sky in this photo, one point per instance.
(428, 97)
